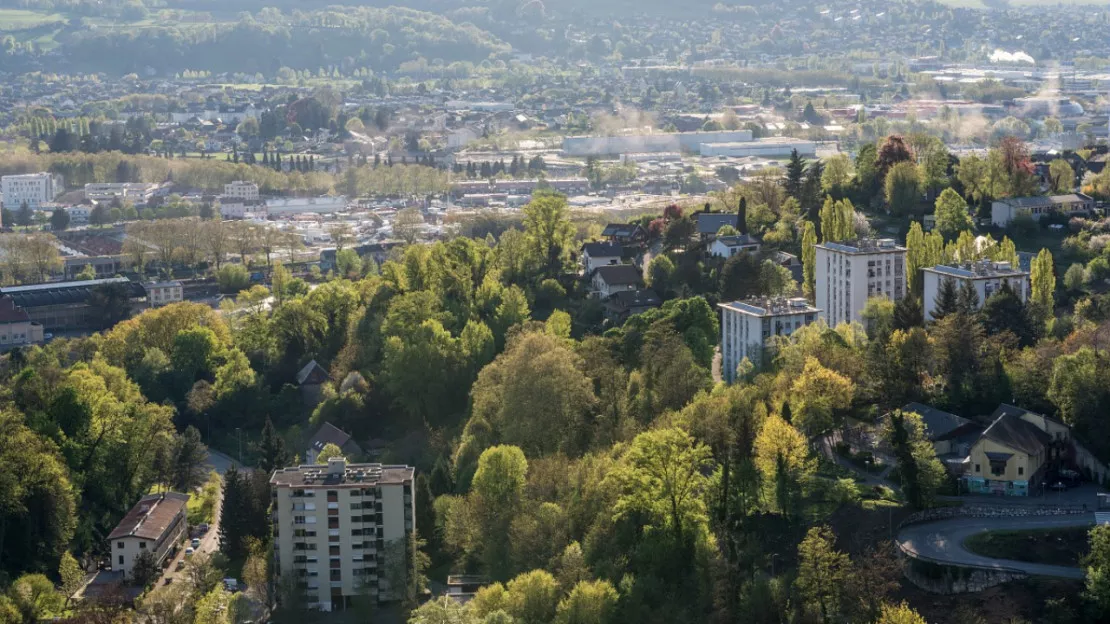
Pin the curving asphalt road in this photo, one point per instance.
(944, 541)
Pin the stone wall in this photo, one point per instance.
(943, 578)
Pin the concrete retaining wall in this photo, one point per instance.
(943, 578)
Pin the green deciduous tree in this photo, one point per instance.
(809, 258)
(902, 188)
(1042, 281)
(548, 231)
(822, 573)
(662, 475)
(951, 214)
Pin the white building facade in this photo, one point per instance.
(245, 191)
(163, 293)
(33, 189)
(986, 277)
(297, 205)
(334, 525)
(155, 524)
(747, 326)
(849, 273)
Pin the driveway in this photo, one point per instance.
(944, 541)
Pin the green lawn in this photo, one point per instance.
(1064, 546)
(20, 19)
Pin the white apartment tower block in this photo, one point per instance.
(338, 529)
(33, 189)
(747, 326)
(849, 273)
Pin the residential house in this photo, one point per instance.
(1003, 211)
(311, 380)
(728, 246)
(330, 434)
(624, 233)
(16, 327)
(596, 255)
(607, 280)
(952, 436)
(155, 524)
(163, 293)
(1010, 457)
(626, 303)
(710, 222)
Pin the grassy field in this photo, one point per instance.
(1050, 546)
(19, 19)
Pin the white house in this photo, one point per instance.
(154, 524)
(986, 277)
(747, 326)
(596, 255)
(33, 189)
(607, 280)
(1003, 211)
(246, 191)
(728, 246)
(849, 273)
(460, 137)
(79, 214)
(163, 293)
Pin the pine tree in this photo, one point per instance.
(907, 312)
(947, 300)
(795, 172)
(968, 299)
(271, 449)
(811, 189)
(742, 216)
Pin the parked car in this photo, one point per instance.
(196, 542)
(231, 584)
(180, 565)
(203, 527)
(189, 552)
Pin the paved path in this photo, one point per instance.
(944, 541)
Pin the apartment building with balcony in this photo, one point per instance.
(341, 529)
(851, 272)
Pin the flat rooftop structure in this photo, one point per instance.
(66, 293)
(342, 474)
(980, 270)
(771, 307)
(11, 290)
(864, 246)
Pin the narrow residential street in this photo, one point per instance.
(210, 541)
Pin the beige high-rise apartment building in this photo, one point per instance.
(343, 530)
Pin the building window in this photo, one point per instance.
(142, 545)
(1021, 470)
(976, 467)
(119, 544)
(121, 559)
